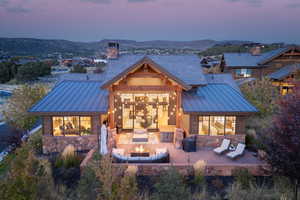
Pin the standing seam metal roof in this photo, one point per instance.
(249, 60)
(74, 96)
(284, 72)
(186, 68)
(216, 98)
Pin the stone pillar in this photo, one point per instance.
(111, 139)
(178, 137)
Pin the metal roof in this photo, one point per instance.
(186, 68)
(284, 72)
(74, 96)
(222, 78)
(216, 98)
(249, 60)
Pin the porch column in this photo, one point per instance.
(111, 109)
(178, 108)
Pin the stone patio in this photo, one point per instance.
(219, 165)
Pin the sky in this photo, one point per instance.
(92, 20)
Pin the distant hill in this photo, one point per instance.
(42, 47)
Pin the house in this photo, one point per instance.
(279, 65)
(165, 97)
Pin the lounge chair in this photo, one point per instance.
(224, 146)
(237, 152)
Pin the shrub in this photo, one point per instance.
(237, 192)
(243, 177)
(128, 189)
(171, 186)
(78, 69)
(35, 142)
(88, 185)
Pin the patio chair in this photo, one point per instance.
(237, 152)
(224, 146)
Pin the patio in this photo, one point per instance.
(178, 156)
(215, 165)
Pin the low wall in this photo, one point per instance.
(58, 143)
(215, 141)
(210, 169)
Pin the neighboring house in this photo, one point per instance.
(280, 65)
(164, 95)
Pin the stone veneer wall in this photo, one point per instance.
(53, 144)
(58, 143)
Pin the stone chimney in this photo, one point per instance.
(112, 51)
(255, 51)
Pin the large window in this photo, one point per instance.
(71, 125)
(217, 125)
(245, 73)
(149, 111)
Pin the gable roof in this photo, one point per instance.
(249, 60)
(284, 72)
(184, 69)
(216, 98)
(74, 96)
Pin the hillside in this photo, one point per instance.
(43, 47)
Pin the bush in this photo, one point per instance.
(78, 69)
(171, 186)
(237, 192)
(88, 185)
(35, 141)
(243, 178)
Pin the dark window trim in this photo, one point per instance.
(79, 123)
(209, 122)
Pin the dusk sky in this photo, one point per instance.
(92, 20)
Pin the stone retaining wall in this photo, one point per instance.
(215, 141)
(58, 143)
(210, 169)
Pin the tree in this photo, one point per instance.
(27, 72)
(78, 69)
(8, 70)
(31, 71)
(282, 140)
(263, 95)
(22, 99)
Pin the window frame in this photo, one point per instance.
(209, 124)
(80, 131)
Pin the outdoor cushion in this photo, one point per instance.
(118, 151)
(224, 146)
(238, 151)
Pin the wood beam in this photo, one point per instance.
(143, 88)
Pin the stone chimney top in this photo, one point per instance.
(112, 51)
(255, 51)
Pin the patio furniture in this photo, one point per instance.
(237, 152)
(158, 157)
(224, 146)
(189, 144)
(166, 137)
(118, 151)
(140, 135)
